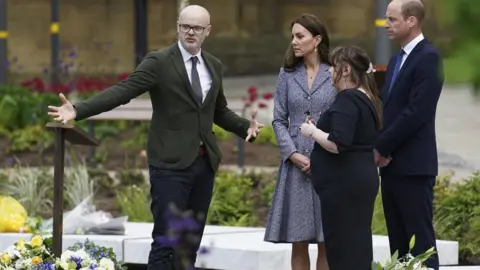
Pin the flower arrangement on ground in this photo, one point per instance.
(87, 256)
(408, 262)
(27, 255)
(37, 255)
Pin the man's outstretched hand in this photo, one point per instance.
(255, 127)
(64, 113)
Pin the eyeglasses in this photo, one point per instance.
(185, 28)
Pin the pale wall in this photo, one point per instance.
(249, 37)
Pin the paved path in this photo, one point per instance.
(458, 130)
(457, 124)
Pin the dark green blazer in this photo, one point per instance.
(178, 122)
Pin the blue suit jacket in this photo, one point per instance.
(408, 133)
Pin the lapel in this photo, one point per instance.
(388, 79)
(179, 64)
(301, 78)
(408, 62)
(322, 76)
(213, 75)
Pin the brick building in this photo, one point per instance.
(250, 36)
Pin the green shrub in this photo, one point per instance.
(244, 200)
(222, 134)
(378, 221)
(267, 136)
(232, 204)
(457, 218)
(131, 177)
(135, 203)
(31, 187)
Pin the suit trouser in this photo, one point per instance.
(188, 189)
(408, 208)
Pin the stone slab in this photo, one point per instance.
(247, 250)
(134, 230)
(460, 267)
(230, 248)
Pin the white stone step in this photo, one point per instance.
(246, 250)
(230, 248)
(460, 267)
(134, 230)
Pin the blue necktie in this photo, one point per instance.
(397, 69)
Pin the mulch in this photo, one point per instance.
(117, 158)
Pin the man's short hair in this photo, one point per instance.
(413, 8)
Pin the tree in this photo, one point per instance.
(462, 18)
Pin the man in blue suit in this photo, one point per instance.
(406, 149)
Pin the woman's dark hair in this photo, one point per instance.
(315, 27)
(359, 63)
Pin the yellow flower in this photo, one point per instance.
(36, 241)
(21, 245)
(36, 260)
(5, 259)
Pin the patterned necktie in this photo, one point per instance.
(196, 85)
(397, 69)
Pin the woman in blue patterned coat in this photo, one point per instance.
(304, 89)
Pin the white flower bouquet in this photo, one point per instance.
(408, 262)
(38, 255)
(87, 256)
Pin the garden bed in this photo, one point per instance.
(113, 157)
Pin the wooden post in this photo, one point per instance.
(74, 135)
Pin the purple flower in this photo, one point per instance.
(72, 54)
(65, 68)
(183, 234)
(11, 162)
(45, 266)
(203, 250)
(77, 261)
(169, 241)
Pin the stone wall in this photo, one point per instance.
(250, 36)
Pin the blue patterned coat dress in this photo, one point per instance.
(294, 215)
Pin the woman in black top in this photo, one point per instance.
(344, 173)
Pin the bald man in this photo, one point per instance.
(185, 87)
(413, 83)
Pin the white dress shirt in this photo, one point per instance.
(205, 78)
(410, 46)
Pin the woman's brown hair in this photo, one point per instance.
(315, 27)
(361, 72)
